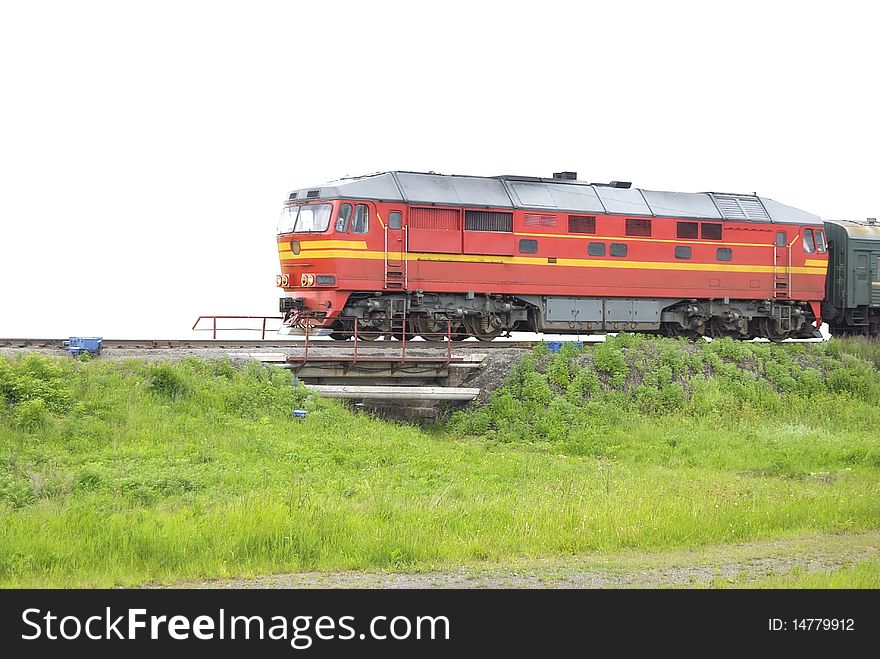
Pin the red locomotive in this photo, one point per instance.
(418, 253)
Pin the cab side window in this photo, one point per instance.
(821, 247)
(395, 220)
(361, 222)
(343, 219)
(809, 241)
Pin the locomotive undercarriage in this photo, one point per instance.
(436, 315)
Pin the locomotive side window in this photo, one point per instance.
(711, 231)
(581, 224)
(528, 246)
(724, 254)
(821, 247)
(687, 230)
(638, 228)
(780, 239)
(596, 249)
(343, 219)
(361, 222)
(809, 241)
(618, 249)
(682, 252)
(395, 219)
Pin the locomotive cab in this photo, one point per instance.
(312, 236)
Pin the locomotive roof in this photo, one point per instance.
(533, 193)
(859, 230)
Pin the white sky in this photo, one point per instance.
(145, 149)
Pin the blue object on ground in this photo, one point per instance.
(78, 344)
(554, 346)
(299, 414)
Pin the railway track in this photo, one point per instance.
(249, 344)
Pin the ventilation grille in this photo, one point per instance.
(488, 221)
(539, 220)
(581, 224)
(292, 196)
(313, 194)
(734, 207)
(638, 228)
(448, 219)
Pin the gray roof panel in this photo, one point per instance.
(681, 204)
(782, 214)
(628, 201)
(575, 196)
(374, 186)
(458, 190)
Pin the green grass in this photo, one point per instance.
(864, 574)
(126, 473)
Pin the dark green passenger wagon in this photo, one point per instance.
(852, 287)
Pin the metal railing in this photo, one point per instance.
(214, 328)
(399, 329)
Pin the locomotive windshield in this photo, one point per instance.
(304, 219)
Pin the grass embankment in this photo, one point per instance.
(124, 473)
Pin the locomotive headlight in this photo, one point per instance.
(304, 280)
(294, 247)
(311, 280)
(278, 280)
(285, 280)
(325, 280)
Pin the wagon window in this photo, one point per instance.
(862, 267)
(528, 246)
(809, 241)
(618, 249)
(343, 218)
(596, 249)
(687, 230)
(395, 219)
(361, 222)
(821, 247)
(724, 254)
(682, 252)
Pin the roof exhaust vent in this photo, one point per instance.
(566, 176)
(623, 185)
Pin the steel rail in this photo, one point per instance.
(228, 344)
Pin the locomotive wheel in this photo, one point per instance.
(768, 330)
(368, 334)
(676, 331)
(399, 335)
(431, 330)
(474, 324)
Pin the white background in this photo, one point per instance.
(146, 148)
